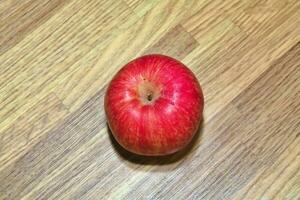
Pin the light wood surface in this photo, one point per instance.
(57, 56)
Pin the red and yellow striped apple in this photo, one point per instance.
(154, 105)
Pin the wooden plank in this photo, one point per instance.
(280, 125)
(18, 19)
(58, 156)
(280, 181)
(176, 43)
(141, 7)
(26, 131)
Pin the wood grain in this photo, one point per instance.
(57, 56)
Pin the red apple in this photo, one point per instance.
(154, 105)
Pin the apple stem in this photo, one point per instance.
(149, 97)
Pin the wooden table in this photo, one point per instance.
(57, 56)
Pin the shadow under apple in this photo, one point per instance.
(155, 160)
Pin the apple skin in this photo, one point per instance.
(154, 105)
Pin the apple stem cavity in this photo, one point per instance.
(148, 92)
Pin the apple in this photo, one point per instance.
(154, 105)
